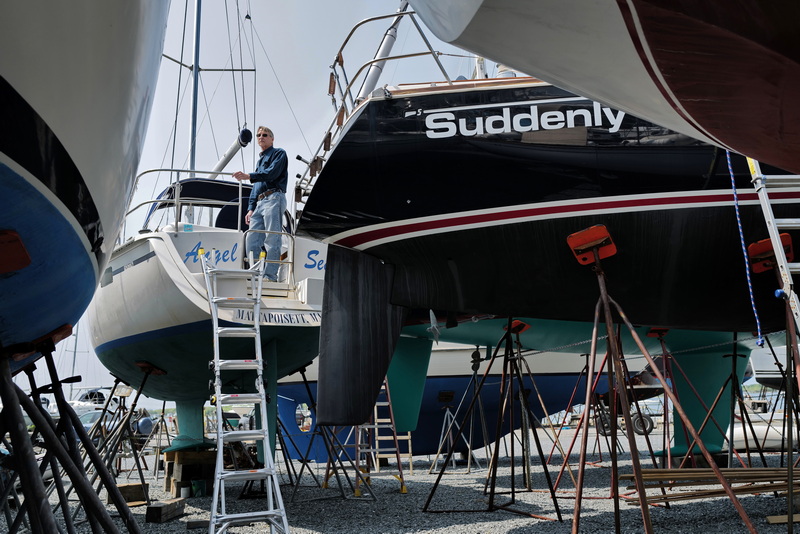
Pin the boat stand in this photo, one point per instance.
(121, 437)
(590, 246)
(160, 431)
(61, 444)
(595, 411)
(109, 446)
(511, 375)
(340, 464)
(450, 424)
(339, 461)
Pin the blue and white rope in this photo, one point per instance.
(760, 338)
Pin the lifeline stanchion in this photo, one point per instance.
(590, 246)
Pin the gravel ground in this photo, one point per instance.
(461, 494)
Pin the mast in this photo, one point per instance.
(195, 85)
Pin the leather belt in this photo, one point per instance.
(267, 193)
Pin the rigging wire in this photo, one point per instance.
(760, 338)
(178, 99)
(280, 86)
(230, 59)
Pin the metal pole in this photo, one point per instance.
(88, 497)
(687, 423)
(734, 379)
(39, 512)
(788, 409)
(576, 516)
(195, 85)
(626, 411)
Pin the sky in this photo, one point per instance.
(291, 45)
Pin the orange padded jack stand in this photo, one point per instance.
(762, 255)
(584, 241)
(517, 327)
(657, 332)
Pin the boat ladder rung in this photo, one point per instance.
(238, 398)
(243, 435)
(238, 365)
(249, 517)
(249, 474)
(233, 302)
(237, 331)
(233, 273)
(776, 181)
(788, 224)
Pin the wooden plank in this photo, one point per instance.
(133, 492)
(195, 457)
(782, 519)
(707, 494)
(163, 511)
(197, 523)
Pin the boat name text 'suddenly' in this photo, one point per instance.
(441, 123)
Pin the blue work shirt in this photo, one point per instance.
(271, 173)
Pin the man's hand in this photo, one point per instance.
(247, 217)
(239, 175)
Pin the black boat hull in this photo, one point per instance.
(476, 222)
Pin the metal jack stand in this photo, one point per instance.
(61, 443)
(339, 463)
(160, 430)
(450, 424)
(510, 375)
(590, 246)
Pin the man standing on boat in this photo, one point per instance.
(267, 202)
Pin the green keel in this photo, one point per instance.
(407, 373)
(191, 426)
(706, 372)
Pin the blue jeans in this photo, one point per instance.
(268, 216)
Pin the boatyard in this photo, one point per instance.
(547, 291)
(460, 502)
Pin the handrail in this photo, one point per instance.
(344, 102)
(289, 262)
(176, 200)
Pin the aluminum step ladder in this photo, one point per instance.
(387, 439)
(275, 513)
(786, 269)
(372, 438)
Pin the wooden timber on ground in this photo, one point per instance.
(184, 467)
(782, 519)
(743, 481)
(134, 494)
(163, 511)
